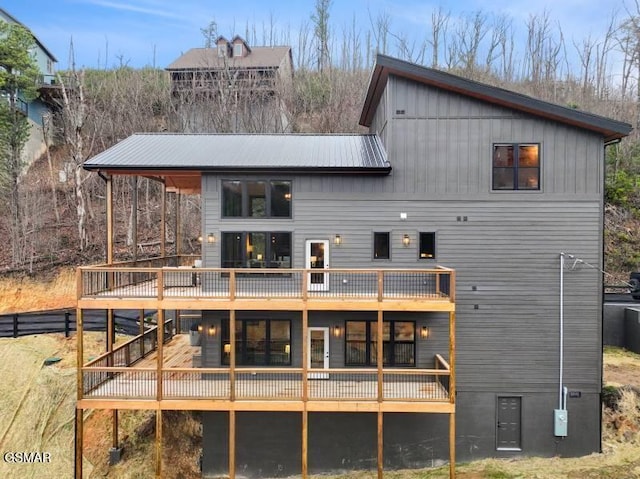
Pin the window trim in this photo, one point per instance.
(240, 359)
(244, 198)
(369, 324)
(373, 249)
(516, 148)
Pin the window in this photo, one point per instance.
(222, 51)
(237, 50)
(256, 250)
(427, 246)
(256, 199)
(516, 167)
(381, 246)
(259, 342)
(398, 343)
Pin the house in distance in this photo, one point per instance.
(389, 300)
(245, 86)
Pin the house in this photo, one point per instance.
(246, 84)
(40, 107)
(397, 299)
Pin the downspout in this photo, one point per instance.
(560, 386)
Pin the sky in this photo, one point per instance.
(137, 33)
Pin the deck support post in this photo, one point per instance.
(452, 446)
(305, 393)
(163, 221)
(178, 227)
(380, 362)
(141, 330)
(232, 444)
(158, 443)
(232, 355)
(79, 432)
(380, 445)
(134, 218)
(160, 359)
(109, 182)
(114, 429)
(304, 470)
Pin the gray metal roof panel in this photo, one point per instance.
(224, 152)
(385, 65)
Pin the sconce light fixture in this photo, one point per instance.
(424, 332)
(336, 331)
(287, 349)
(212, 330)
(211, 238)
(406, 240)
(200, 239)
(227, 348)
(337, 240)
(199, 328)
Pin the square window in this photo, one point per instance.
(427, 246)
(256, 199)
(516, 166)
(381, 249)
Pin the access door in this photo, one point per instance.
(318, 347)
(508, 428)
(317, 259)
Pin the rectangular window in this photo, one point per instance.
(256, 199)
(222, 51)
(361, 340)
(259, 342)
(237, 50)
(427, 246)
(256, 250)
(516, 166)
(381, 248)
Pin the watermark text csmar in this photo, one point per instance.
(26, 457)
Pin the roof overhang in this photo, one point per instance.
(611, 130)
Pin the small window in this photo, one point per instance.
(237, 50)
(381, 246)
(516, 166)
(222, 51)
(256, 199)
(427, 246)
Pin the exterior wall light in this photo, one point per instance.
(199, 328)
(212, 330)
(200, 239)
(337, 240)
(424, 332)
(287, 349)
(227, 348)
(211, 238)
(406, 240)
(336, 331)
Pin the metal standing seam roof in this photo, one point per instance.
(611, 130)
(208, 59)
(245, 152)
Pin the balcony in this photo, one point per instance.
(154, 284)
(130, 377)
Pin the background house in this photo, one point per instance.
(40, 107)
(245, 85)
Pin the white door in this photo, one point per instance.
(318, 348)
(317, 257)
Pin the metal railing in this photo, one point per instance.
(269, 384)
(123, 281)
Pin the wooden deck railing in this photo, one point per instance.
(223, 283)
(266, 384)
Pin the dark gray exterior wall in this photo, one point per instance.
(505, 247)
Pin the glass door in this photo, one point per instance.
(318, 347)
(317, 258)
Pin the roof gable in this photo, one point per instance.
(611, 130)
(10, 18)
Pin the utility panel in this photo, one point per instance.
(560, 422)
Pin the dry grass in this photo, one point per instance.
(27, 294)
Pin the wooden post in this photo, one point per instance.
(452, 445)
(380, 445)
(380, 355)
(141, 331)
(114, 429)
(134, 217)
(178, 228)
(79, 351)
(160, 359)
(305, 442)
(159, 443)
(110, 334)
(305, 354)
(109, 220)
(232, 444)
(380, 285)
(79, 431)
(232, 354)
(163, 221)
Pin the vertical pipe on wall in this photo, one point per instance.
(561, 367)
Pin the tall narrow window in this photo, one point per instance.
(381, 248)
(427, 246)
(231, 198)
(516, 166)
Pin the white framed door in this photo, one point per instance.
(318, 349)
(317, 258)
